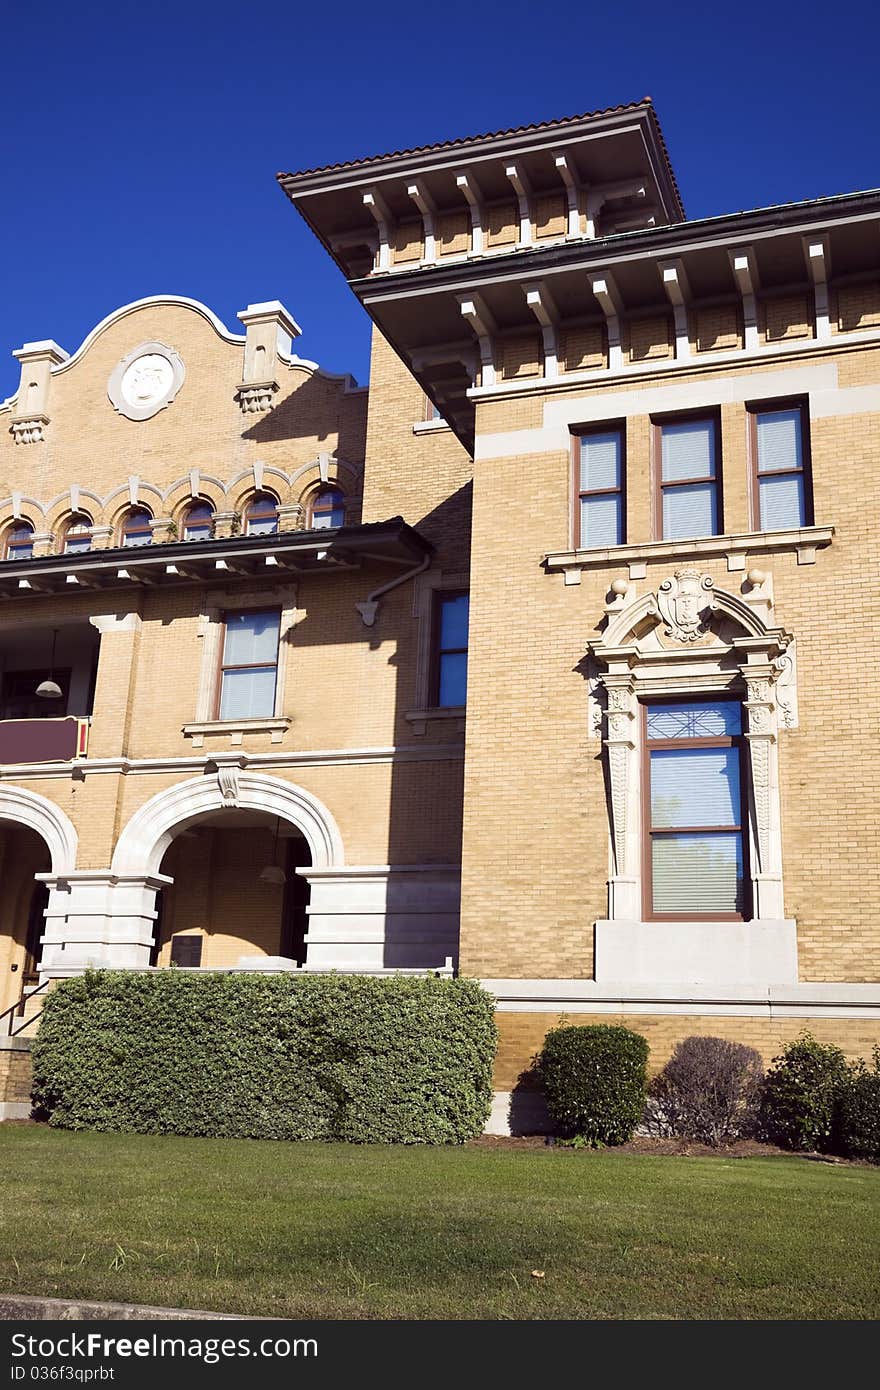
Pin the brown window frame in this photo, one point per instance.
(323, 491)
(648, 832)
(258, 497)
(77, 519)
(198, 503)
(756, 408)
(583, 432)
(124, 529)
(681, 417)
(440, 597)
(18, 525)
(222, 666)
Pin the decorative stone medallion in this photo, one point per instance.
(146, 381)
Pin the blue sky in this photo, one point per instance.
(142, 140)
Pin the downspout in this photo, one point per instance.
(370, 605)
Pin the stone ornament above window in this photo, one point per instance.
(146, 381)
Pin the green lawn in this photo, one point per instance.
(319, 1231)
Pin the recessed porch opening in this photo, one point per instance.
(61, 663)
(236, 895)
(23, 853)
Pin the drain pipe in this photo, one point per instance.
(370, 605)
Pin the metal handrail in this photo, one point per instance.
(19, 1007)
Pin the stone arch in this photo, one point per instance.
(48, 820)
(148, 834)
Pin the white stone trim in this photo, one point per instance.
(370, 918)
(431, 427)
(705, 953)
(148, 834)
(210, 633)
(322, 757)
(806, 540)
(48, 820)
(804, 1000)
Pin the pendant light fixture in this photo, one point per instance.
(273, 873)
(50, 689)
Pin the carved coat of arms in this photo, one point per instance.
(684, 603)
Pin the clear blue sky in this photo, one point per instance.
(142, 140)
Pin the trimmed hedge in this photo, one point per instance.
(395, 1059)
(594, 1077)
(857, 1117)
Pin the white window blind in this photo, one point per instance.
(779, 441)
(688, 450)
(781, 496)
(601, 510)
(600, 462)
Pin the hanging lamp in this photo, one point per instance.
(50, 689)
(273, 873)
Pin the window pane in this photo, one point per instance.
(695, 786)
(134, 538)
(688, 450)
(453, 679)
(76, 541)
(454, 622)
(779, 441)
(689, 511)
(248, 694)
(698, 873)
(262, 525)
(600, 461)
(716, 720)
(601, 520)
(251, 637)
(782, 502)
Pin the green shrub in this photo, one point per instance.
(800, 1095)
(595, 1082)
(396, 1059)
(857, 1118)
(709, 1090)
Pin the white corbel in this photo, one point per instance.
(134, 484)
(517, 178)
(745, 273)
(818, 257)
(572, 194)
(475, 313)
(470, 190)
(258, 475)
(606, 292)
(428, 212)
(675, 283)
(604, 193)
(377, 207)
(194, 482)
(540, 301)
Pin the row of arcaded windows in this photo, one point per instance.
(686, 475)
(327, 509)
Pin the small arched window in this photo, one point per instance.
(136, 527)
(327, 509)
(261, 515)
(199, 522)
(78, 534)
(19, 542)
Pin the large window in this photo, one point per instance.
(137, 527)
(694, 810)
(599, 484)
(327, 509)
(450, 650)
(19, 542)
(689, 500)
(781, 478)
(249, 664)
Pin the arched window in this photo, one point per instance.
(19, 542)
(261, 515)
(327, 509)
(78, 534)
(136, 527)
(199, 522)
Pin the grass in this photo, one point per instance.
(330, 1231)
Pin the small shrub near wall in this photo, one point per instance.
(710, 1090)
(595, 1081)
(857, 1117)
(801, 1093)
(397, 1059)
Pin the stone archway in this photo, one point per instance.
(36, 906)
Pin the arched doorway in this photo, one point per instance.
(23, 853)
(235, 894)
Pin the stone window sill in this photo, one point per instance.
(420, 718)
(805, 541)
(235, 729)
(430, 427)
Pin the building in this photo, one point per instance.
(639, 451)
